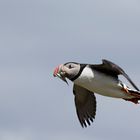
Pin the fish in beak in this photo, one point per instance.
(60, 74)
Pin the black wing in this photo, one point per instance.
(112, 69)
(85, 103)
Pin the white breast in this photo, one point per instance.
(100, 83)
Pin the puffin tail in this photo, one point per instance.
(136, 95)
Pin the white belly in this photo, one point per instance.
(100, 83)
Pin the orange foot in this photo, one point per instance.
(125, 89)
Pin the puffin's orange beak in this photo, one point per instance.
(59, 73)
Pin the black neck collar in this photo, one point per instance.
(82, 66)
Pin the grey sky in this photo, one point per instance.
(36, 36)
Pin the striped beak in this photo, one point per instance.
(60, 74)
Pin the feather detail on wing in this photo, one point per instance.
(85, 103)
(113, 70)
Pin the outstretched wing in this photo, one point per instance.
(85, 103)
(112, 69)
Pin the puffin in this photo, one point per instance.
(89, 79)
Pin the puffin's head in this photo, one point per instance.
(68, 70)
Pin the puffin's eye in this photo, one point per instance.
(70, 66)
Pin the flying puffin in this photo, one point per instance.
(95, 78)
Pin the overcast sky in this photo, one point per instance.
(36, 36)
